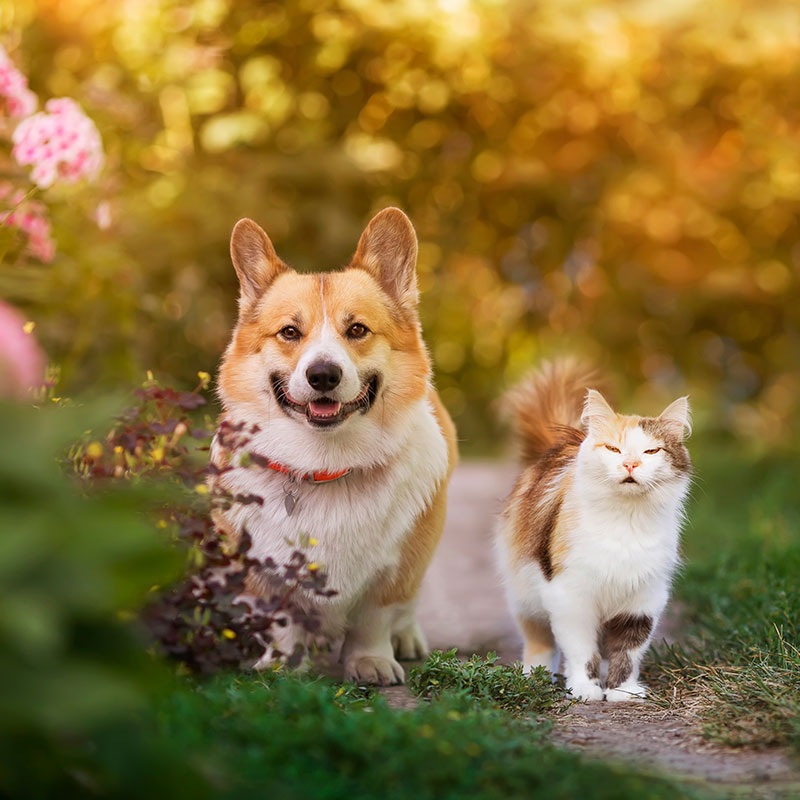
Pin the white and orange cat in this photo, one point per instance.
(588, 542)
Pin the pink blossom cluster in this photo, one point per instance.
(61, 143)
(21, 359)
(20, 101)
(29, 217)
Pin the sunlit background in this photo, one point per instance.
(618, 180)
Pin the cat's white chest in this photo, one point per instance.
(621, 554)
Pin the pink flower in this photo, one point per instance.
(20, 101)
(22, 361)
(31, 218)
(61, 143)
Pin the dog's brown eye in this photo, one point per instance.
(290, 333)
(653, 450)
(612, 448)
(357, 331)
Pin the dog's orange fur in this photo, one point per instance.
(418, 550)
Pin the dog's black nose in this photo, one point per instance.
(323, 376)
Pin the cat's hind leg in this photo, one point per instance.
(539, 644)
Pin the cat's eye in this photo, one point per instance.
(612, 448)
(653, 450)
(289, 333)
(357, 331)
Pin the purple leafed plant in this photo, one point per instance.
(206, 620)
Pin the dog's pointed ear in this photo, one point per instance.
(387, 250)
(254, 259)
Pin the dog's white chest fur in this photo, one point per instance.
(359, 521)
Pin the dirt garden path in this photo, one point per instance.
(462, 605)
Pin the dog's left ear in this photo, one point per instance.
(388, 251)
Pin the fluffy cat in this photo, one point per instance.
(588, 541)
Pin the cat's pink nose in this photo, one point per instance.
(631, 466)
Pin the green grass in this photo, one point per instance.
(487, 683)
(739, 658)
(291, 738)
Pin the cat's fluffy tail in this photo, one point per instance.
(545, 401)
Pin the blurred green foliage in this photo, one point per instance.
(619, 180)
(75, 683)
(290, 738)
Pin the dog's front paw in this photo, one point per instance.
(626, 692)
(373, 669)
(409, 644)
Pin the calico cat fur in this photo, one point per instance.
(588, 541)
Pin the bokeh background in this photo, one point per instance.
(616, 179)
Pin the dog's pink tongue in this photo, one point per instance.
(324, 408)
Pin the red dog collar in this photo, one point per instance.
(319, 476)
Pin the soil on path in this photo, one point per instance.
(462, 605)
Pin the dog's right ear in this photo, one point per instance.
(255, 260)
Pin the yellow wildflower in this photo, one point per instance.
(94, 451)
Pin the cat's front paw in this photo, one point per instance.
(373, 669)
(626, 692)
(586, 690)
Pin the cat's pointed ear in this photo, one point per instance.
(254, 259)
(387, 250)
(676, 417)
(596, 410)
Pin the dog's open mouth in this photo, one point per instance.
(325, 412)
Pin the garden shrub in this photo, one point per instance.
(200, 620)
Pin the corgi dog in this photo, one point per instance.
(332, 370)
